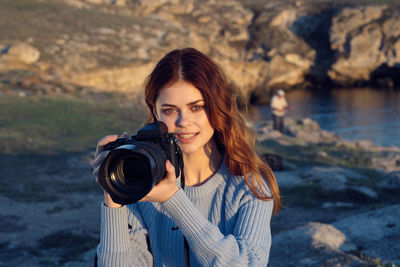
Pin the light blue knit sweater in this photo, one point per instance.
(223, 222)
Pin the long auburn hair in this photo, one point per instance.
(230, 130)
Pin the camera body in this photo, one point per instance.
(134, 164)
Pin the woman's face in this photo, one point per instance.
(182, 107)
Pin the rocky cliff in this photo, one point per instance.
(111, 45)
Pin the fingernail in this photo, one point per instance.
(169, 164)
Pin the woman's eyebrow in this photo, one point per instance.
(195, 102)
(189, 104)
(167, 105)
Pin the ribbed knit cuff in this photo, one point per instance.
(114, 232)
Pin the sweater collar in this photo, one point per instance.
(208, 186)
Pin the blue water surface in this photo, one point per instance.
(354, 113)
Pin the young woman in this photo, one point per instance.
(223, 213)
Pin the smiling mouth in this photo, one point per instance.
(187, 136)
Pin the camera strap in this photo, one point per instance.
(180, 159)
(185, 243)
(187, 254)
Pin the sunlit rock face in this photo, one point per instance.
(365, 40)
(116, 58)
(288, 56)
(261, 45)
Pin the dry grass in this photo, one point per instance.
(46, 20)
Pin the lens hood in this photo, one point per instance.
(130, 171)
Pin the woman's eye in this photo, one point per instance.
(168, 111)
(197, 108)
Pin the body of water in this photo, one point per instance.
(356, 113)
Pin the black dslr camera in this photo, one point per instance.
(135, 164)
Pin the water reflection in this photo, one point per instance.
(354, 113)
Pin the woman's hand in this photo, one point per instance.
(166, 188)
(99, 157)
(160, 192)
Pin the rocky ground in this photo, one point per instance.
(341, 199)
(50, 211)
(333, 214)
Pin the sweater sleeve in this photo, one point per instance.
(247, 245)
(122, 240)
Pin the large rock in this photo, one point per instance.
(287, 71)
(376, 233)
(289, 57)
(391, 181)
(314, 244)
(128, 80)
(18, 53)
(350, 20)
(246, 76)
(389, 163)
(330, 178)
(353, 241)
(366, 40)
(310, 132)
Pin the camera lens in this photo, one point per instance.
(133, 168)
(131, 171)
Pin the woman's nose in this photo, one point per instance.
(184, 119)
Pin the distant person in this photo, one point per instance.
(279, 108)
(220, 206)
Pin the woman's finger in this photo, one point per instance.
(96, 172)
(170, 169)
(165, 188)
(104, 141)
(99, 159)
